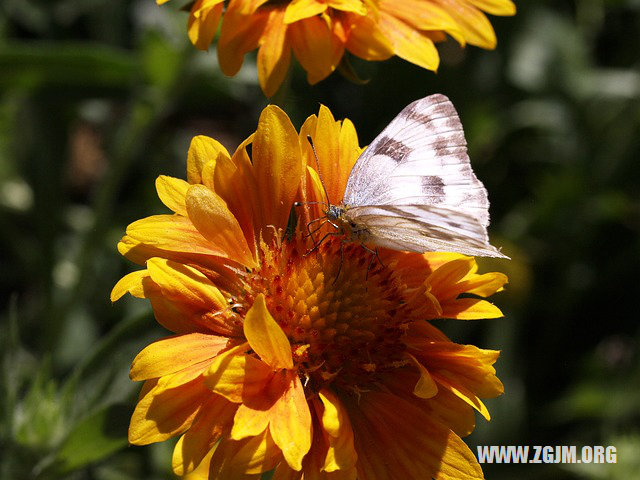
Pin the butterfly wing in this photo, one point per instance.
(420, 158)
(417, 185)
(421, 228)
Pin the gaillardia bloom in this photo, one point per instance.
(319, 31)
(318, 361)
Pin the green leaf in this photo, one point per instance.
(33, 65)
(94, 438)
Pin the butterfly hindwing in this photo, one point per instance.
(420, 228)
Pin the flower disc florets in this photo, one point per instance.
(342, 310)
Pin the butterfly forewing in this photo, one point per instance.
(416, 176)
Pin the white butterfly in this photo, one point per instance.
(413, 188)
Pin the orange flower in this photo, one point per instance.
(319, 31)
(320, 364)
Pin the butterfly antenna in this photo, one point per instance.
(315, 155)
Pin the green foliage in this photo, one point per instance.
(99, 97)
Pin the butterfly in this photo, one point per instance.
(413, 189)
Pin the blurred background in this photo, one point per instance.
(99, 97)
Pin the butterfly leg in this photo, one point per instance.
(376, 256)
(342, 242)
(317, 245)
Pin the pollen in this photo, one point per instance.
(340, 307)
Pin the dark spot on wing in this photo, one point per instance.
(393, 149)
(433, 185)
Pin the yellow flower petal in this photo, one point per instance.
(238, 378)
(212, 218)
(162, 414)
(341, 455)
(496, 7)
(470, 309)
(353, 6)
(409, 43)
(300, 9)
(426, 387)
(266, 337)
(185, 284)
(484, 285)
(423, 16)
(173, 233)
(473, 24)
(277, 164)
(203, 22)
(203, 155)
(244, 459)
(291, 424)
(274, 55)
(132, 283)
(172, 354)
(172, 192)
(444, 279)
(208, 426)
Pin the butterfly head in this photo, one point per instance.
(334, 213)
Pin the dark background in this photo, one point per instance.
(99, 97)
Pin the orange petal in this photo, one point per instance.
(213, 419)
(240, 33)
(389, 430)
(266, 337)
(235, 183)
(203, 22)
(316, 47)
(274, 55)
(161, 414)
(465, 395)
(212, 218)
(131, 283)
(366, 39)
(285, 472)
(172, 354)
(277, 164)
(466, 365)
(185, 284)
(204, 153)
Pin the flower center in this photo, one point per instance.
(339, 306)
